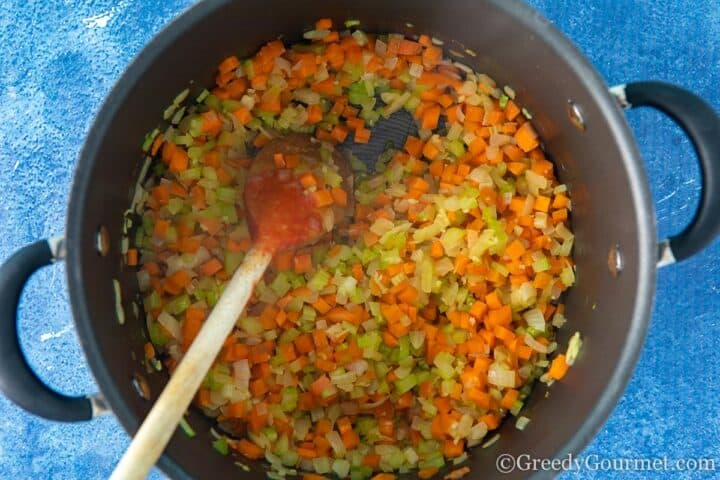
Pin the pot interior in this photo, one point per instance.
(513, 45)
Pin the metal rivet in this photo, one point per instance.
(102, 242)
(141, 386)
(575, 115)
(615, 260)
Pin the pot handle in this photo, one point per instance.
(17, 380)
(702, 124)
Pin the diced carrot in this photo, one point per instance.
(542, 203)
(558, 367)
(362, 135)
(236, 409)
(250, 450)
(212, 123)
(339, 133)
(149, 350)
(371, 460)
(323, 24)
(315, 114)
(508, 400)
(340, 196)
(474, 113)
(157, 143)
(430, 118)
(515, 249)
(350, 439)
(414, 146)
(179, 160)
(516, 168)
(211, 267)
(308, 180)
(436, 249)
(313, 476)
(243, 115)
(493, 300)
(283, 261)
(526, 137)
(384, 476)
(511, 110)
(425, 473)
(302, 263)
(179, 279)
(132, 257)
(229, 64)
(320, 385)
(323, 198)
(500, 316)
(304, 343)
(430, 150)
(261, 140)
(452, 449)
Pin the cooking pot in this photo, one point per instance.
(584, 131)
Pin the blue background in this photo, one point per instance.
(58, 60)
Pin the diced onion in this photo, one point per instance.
(534, 344)
(535, 319)
(170, 324)
(501, 375)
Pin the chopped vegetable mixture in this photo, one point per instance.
(406, 335)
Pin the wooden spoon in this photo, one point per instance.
(281, 216)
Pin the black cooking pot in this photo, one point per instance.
(584, 131)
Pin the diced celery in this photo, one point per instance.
(503, 101)
(308, 314)
(406, 384)
(171, 235)
(433, 460)
(175, 205)
(213, 102)
(541, 265)
(202, 96)
(427, 274)
(157, 337)
(443, 361)
(178, 305)
(452, 241)
(185, 426)
(389, 257)
(233, 261)
(149, 138)
(361, 472)
(501, 269)
(341, 467)
(221, 446)
(321, 465)
(191, 174)
(280, 284)
(270, 434)
(567, 276)
(370, 116)
(289, 399)
(227, 194)
(358, 95)
(412, 103)
(318, 280)
(251, 325)
(456, 148)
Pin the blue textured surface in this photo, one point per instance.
(58, 60)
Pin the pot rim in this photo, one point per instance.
(522, 13)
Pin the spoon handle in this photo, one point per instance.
(157, 428)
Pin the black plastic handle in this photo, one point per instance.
(17, 380)
(702, 124)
